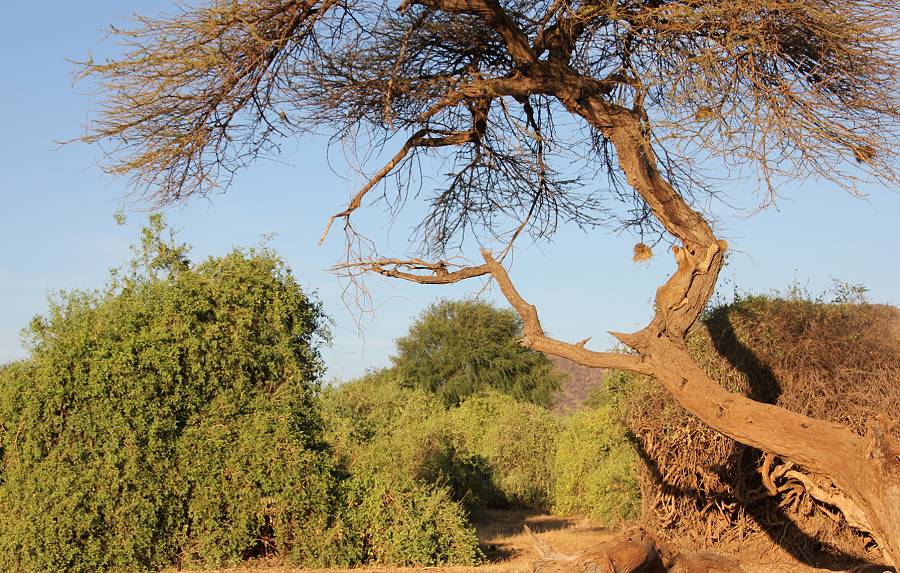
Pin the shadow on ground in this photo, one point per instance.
(499, 530)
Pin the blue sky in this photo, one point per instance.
(58, 230)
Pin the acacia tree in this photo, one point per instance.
(525, 103)
(457, 348)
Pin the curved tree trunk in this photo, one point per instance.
(860, 476)
(865, 472)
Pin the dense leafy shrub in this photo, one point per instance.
(490, 450)
(595, 472)
(377, 404)
(389, 519)
(494, 445)
(459, 348)
(170, 417)
(399, 504)
(259, 484)
(174, 418)
(380, 427)
(516, 440)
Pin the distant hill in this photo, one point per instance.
(580, 381)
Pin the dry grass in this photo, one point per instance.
(510, 550)
(503, 539)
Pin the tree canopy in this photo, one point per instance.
(521, 100)
(459, 348)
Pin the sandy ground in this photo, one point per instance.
(510, 550)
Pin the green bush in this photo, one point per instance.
(171, 417)
(399, 498)
(493, 446)
(431, 451)
(377, 404)
(595, 473)
(490, 450)
(174, 418)
(516, 440)
(387, 519)
(258, 483)
(378, 426)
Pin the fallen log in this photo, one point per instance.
(633, 552)
(630, 552)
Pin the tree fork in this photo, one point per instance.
(867, 469)
(871, 480)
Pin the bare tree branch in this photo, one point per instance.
(418, 139)
(440, 273)
(537, 340)
(494, 16)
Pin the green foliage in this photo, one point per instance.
(516, 440)
(379, 427)
(459, 348)
(387, 519)
(171, 417)
(260, 480)
(490, 450)
(175, 418)
(596, 465)
(400, 499)
(377, 404)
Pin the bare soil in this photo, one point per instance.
(509, 549)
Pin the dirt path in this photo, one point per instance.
(509, 549)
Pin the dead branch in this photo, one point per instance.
(824, 491)
(544, 549)
(626, 553)
(494, 15)
(439, 271)
(419, 139)
(537, 340)
(766, 472)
